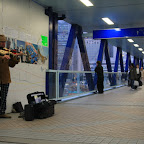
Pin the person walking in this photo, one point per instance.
(142, 74)
(6, 61)
(138, 73)
(100, 77)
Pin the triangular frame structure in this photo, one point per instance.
(75, 32)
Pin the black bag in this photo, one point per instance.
(36, 97)
(135, 87)
(29, 112)
(43, 110)
(18, 107)
(140, 83)
(53, 102)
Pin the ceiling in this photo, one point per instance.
(124, 14)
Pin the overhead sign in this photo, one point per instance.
(118, 33)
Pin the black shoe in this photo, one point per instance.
(95, 92)
(100, 92)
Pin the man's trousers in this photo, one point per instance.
(3, 96)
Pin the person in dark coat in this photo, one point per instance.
(100, 77)
(133, 76)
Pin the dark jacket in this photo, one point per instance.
(99, 71)
(133, 74)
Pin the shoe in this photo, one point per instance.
(95, 92)
(100, 92)
(5, 116)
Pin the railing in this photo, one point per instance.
(76, 84)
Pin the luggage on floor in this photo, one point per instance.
(135, 87)
(29, 112)
(17, 107)
(52, 102)
(43, 108)
(136, 83)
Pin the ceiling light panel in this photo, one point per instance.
(130, 40)
(140, 49)
(108, 21)
(136, 45)
(87, 3)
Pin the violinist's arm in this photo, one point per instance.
(19, 54)
(13, 61)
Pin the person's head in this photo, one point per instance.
(137, 66)
(98, 63)
(141, 68)
(132, 65)
(2, 41)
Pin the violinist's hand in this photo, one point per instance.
(6, 57)
(19, 54)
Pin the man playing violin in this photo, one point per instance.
(6, 61)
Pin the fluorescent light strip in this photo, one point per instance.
(130, 40)
(136, 45)
(108, 21)
(117, 29)
(140, 49)
(85, 32)
(87, 3)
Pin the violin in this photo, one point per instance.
(14, 51)
(11, 53)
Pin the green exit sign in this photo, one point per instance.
(44, 40)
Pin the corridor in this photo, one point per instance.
(115, 117)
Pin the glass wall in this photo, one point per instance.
(74, 83)
(92, 47)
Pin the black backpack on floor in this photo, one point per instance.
(17, 107)
(43, 108)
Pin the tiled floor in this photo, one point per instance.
(115, 117)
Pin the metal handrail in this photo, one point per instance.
(68, 71)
